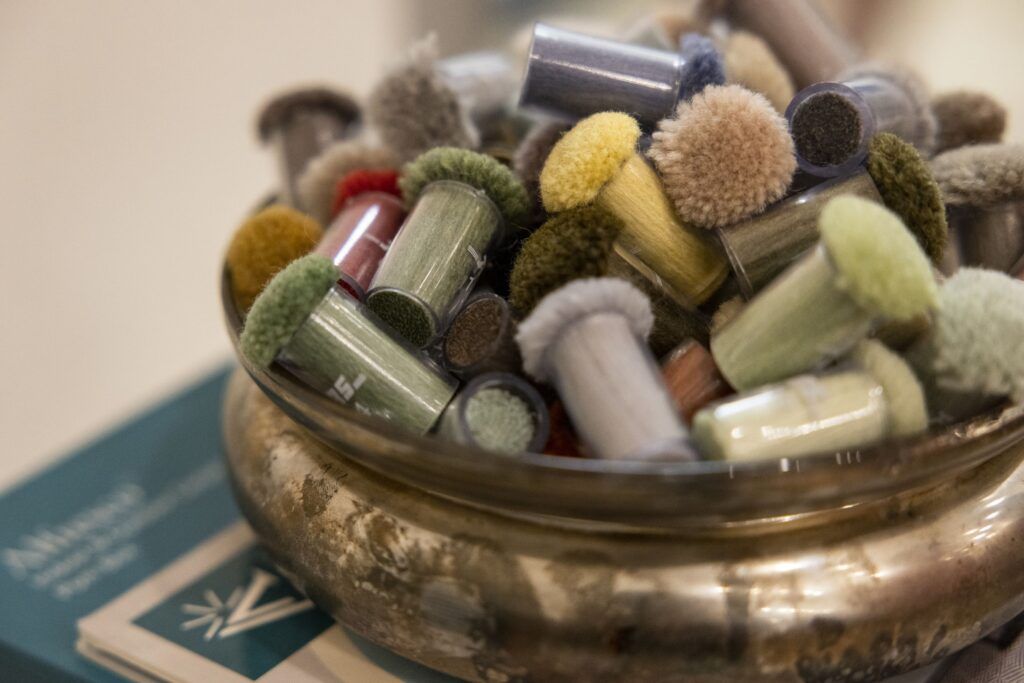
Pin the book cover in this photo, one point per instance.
(222, 613)
(136, 539)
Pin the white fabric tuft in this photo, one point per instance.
(579, 299)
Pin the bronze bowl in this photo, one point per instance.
(846, 566)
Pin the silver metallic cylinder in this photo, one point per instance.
(763, 246)
(571, 75)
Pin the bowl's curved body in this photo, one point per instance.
(845, 594)
(837, 567)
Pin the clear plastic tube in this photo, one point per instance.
(570, 75)
(763, 246)
(613, 393)
(481, 338)
(343, 352)
(359, 237)
(832, 125)
(679, 259)
(435, 260)
(891, 105)
(802, 416)
(470, 418)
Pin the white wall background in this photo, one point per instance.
(127, 157)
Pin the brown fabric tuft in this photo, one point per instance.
(968, 118)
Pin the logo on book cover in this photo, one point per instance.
(242, 610)
(242, 615)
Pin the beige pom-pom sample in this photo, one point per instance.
(725, 156)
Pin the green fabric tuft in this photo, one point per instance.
(283, 306)
(571, 245)
(974, 345)
(880, 264)
(472, 168)
(908, 188)
(908, 411)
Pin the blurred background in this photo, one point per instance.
(128, 156)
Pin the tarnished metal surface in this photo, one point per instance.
(889, 587)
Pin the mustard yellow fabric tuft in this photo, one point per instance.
(586, 158)
(263, 245)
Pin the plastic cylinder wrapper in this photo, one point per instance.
(677, 258)
(435, 260)
(763, 246)
(458, 423)
(359, 237)
(612, 390)
(802, 416)
(570, 76)
(341, 351)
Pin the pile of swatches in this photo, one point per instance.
(652, 248)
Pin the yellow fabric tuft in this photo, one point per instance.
(586, 158)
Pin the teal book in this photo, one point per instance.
(128, 560)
